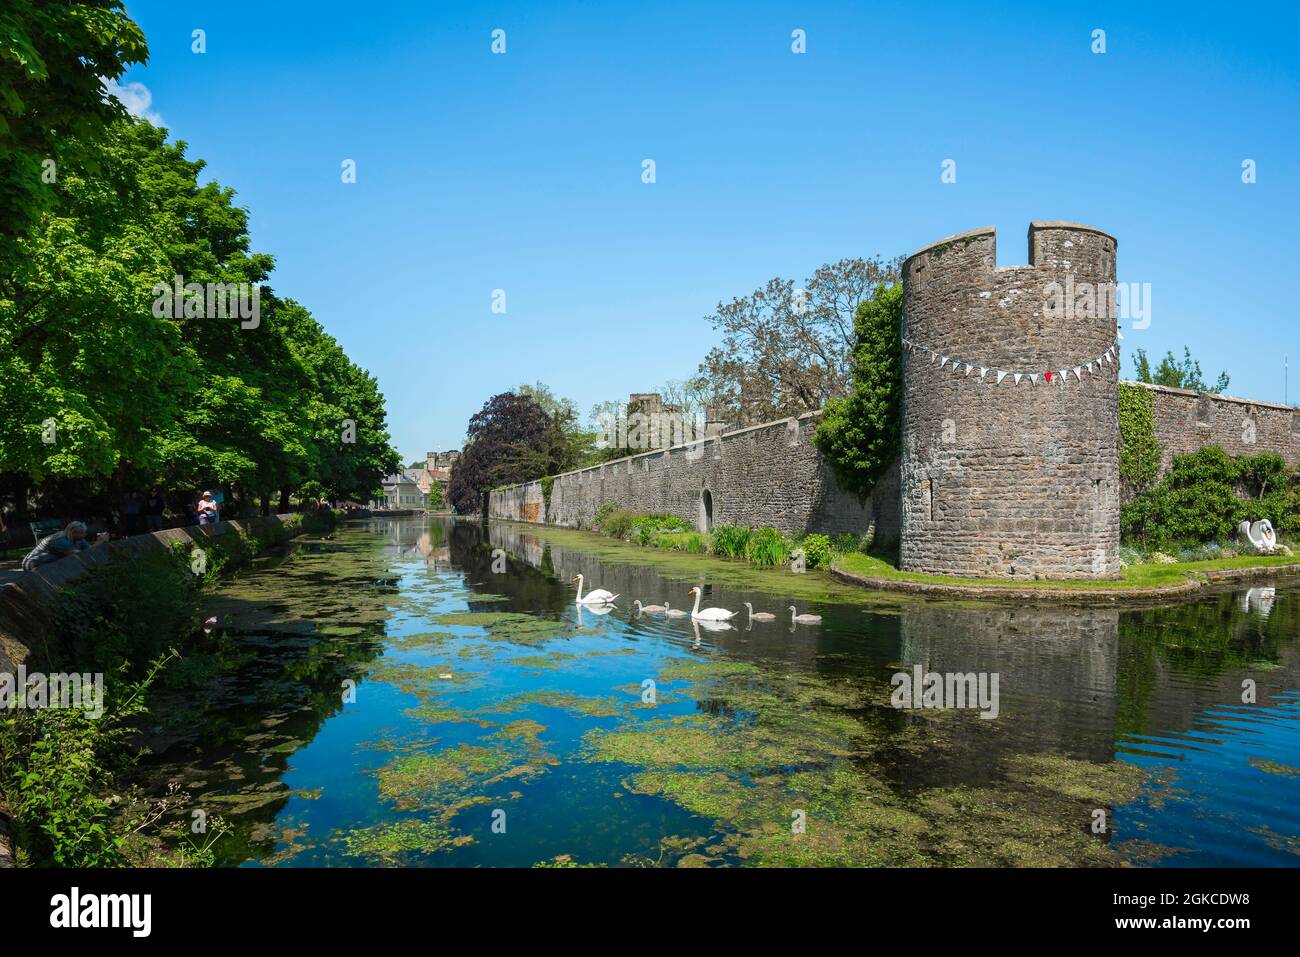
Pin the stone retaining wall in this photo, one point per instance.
(769, 474)
(1186, 421)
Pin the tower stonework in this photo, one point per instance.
(1011, 480)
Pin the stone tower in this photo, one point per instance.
(1011, 480)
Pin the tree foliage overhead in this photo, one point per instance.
(860, 434)
(1175, 374)
(53, 54)
(786, 349)
(191, 401)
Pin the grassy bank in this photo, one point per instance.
(1139, 576)
(132, 621)
(851, 555)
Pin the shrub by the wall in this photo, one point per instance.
(729, 540)
(1206, 495)
(816, 550)
(646, 527)
(767, 546)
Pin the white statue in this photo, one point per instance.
(1260, 536)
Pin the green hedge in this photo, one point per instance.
(1207, 494)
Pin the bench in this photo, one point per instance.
(45, 527)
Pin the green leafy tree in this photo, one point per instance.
(98, 387)
(1175, 374)
(53, 54)
(785, 349)
(860, 434)
(509, 440)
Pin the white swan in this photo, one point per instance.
(597, 596)
(651, 608)
(759, 615)
(708, 614)
(673, 612)
(804, 619)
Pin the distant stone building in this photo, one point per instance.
(437, 468)
(410, 487)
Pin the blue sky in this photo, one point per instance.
(523, 172)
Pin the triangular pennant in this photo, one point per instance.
(969, 367)
(984, 370)
(1019, 376)
(1061, 374)
(1077, 370)
(1033, 377)
(1119, 335)
(1001, 375)
(1048, 373)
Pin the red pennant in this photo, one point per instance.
(1049, 375)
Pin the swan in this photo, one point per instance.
(597, 596)
(708, 614)
(804, 619)
(651, 608)
(759, 615)
(673, 612)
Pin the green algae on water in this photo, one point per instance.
(392, 843)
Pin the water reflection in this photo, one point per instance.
(480, 685)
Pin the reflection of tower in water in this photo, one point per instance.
(1056, 667)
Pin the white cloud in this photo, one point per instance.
(137, 99)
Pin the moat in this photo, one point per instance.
(425, 692)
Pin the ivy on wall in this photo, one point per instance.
(548, 482)
(1139, 452)
(861, 433)
(1207, 493)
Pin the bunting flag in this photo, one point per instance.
(1049, 376)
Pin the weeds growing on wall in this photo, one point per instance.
(1207, 494)
(1139, 452)
(548, 483)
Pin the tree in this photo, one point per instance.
(1175, 374)
(99, 387)
(508, 441)
(53, 54)
(569, 445)
(860, 434)
(786, 350)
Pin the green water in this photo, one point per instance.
(426, 693)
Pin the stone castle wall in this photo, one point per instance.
(1009, 480)
(768, 474)
(1186, 421)
(995, 481)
